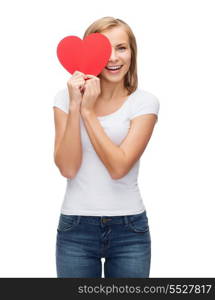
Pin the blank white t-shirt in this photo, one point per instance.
(92, 192)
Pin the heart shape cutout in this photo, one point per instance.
(88, 56)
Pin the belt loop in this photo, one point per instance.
(126, 219)
(78, 219)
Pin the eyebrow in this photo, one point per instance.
(124, 43)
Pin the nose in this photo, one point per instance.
(113, 56)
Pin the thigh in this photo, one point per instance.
(130, 252)
(75, 257)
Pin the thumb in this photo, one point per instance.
(88, 76)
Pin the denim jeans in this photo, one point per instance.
(124, 242)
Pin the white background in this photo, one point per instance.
(176, 62)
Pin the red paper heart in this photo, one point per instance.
(88, 56)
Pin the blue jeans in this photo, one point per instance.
(124, 242)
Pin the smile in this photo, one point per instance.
(114, 69)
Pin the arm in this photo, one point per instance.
(68, 148)
(110, 154)
(119, 159)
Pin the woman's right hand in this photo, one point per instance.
(75, 86)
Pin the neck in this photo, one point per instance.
(112, 90)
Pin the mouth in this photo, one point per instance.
(114, 69)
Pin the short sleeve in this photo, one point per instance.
(61, 100)
(144, 103)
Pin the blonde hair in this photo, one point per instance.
(130, 80)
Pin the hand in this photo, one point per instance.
(91, 90)
(75, 87)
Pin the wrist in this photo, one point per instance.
(86, 112)
(74, 107)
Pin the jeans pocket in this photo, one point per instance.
(139, 224)
(66, 223)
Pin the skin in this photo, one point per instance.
(87, 92)
(108, 87)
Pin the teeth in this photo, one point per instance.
(114, 68)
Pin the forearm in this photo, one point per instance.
(69, 152)
(111, 155)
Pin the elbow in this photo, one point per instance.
(120, 169)
(67, 174)
(117, 175)
(114, 177)
(120, 173)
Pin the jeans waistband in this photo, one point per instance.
(105, 219)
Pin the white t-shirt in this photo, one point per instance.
(92, 192)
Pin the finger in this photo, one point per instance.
(90, 89)
(90, 76)
(82, 89)
(78, 74)
(92, 85)
(79, 85)
(79, 81)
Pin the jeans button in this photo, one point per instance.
(104, 220)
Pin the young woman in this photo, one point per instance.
(102, 127)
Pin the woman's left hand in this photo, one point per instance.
(91, 92)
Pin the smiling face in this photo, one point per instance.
(120, 55)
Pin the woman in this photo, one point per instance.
(103, 125)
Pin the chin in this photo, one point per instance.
(113, 79)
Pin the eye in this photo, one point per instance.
(122, 48)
